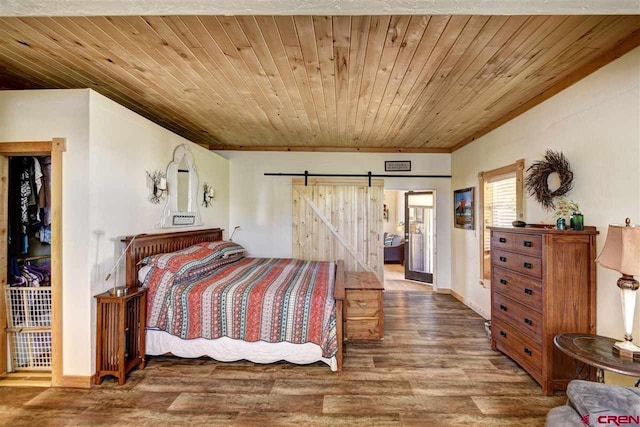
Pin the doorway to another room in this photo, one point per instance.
(409, 239)
(30, 267)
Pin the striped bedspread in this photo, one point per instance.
(252, 299)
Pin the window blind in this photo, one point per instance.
(499, 204)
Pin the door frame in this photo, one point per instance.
(419, 276)
(53, 148)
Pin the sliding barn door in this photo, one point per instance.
(339, 219)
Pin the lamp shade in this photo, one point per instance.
(622, 250)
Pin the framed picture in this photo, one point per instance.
(463, 206)
(397, 166)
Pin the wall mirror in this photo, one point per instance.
(183, 185)
(181, 209)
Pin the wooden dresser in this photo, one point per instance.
(363, 312)
(543, 282)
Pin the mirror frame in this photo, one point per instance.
(171, 216)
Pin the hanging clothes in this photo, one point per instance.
(45, 234)
(36, 189)
(25, 196)
(14, 276)
(45, 193)
(35, 275)
(29, 220)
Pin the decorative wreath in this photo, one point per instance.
(538, 173)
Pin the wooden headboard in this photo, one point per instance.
(150, 244)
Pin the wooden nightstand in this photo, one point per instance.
(363, 311)
(120, 344)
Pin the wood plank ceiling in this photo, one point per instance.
(369, 83)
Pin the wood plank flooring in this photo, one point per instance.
(434, 367)
(394, 280)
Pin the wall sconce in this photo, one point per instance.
(208, 194)
(159, 181)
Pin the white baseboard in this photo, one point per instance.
(469, 304)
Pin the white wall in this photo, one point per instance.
(391, 200)
(596, 124)
(36, 116)
(123, 146)
(262, 205)
(109, 148)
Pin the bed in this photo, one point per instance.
(182, 339)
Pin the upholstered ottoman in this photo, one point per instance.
(588, 402)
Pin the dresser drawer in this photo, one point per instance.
(501, 240)
(363, 329)
(522, 318)
(517, 262)
(524, 289)
(529, 244)
(517, 346)
(363, 303)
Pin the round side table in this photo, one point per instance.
(595, 350)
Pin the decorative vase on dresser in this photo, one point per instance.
(543, 282)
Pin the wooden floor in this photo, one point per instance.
(394, 280)
(435, 367)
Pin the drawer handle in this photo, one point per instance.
(503, 333)
(528, 321)
(503, 258)
(528, 265)
(527, 243)
(528, 291)
(502, 240)
(503, 281)
(361, 303)
(529, 352)
(503, 307)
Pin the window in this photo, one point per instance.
(501, 204)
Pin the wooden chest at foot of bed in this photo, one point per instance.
(363, 310)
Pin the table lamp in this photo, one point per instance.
(119, 290)
(236, 228)
(622, 253)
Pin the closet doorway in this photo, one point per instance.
(54, 150)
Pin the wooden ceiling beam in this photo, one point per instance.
(618, 50)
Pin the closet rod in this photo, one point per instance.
(33, 258)
(369, 175)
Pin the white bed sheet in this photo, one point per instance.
(229, 350)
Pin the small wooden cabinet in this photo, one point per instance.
(120, 340)
(363, 311)
(543, 283)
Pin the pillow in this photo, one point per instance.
(225, 249)
(142, 273)
(204, 269)
(388, 240)
(194, 259)
(151, 276)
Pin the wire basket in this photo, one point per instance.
(29, 307)
(30, 350)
